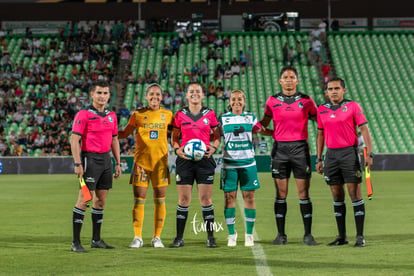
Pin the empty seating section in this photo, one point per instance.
(259, 81)
(378, 69)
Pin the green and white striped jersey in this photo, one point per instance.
(238, 142)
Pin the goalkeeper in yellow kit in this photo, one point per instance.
(150, 162)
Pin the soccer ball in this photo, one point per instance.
(195, 149)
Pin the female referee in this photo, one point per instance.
(195, 121)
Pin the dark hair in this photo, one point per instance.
(153, 85)
(196, 83)
(341, 81)
(289, 68)
(237, 91)
(100, 83)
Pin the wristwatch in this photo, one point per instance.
(371, 154)
(317, 160)
(77, 164)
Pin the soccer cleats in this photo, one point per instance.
(77, 247)
(100, 244)
(309, 240)
(137, 242)
(280, 240)
(232, 240)
(177, 243)
(360, 241)
(157, 243)
(339, 241)
(211, 242)
(249, 240)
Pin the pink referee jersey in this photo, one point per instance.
(290, 115)
(195, 126)
(96, 128)
(339, 123)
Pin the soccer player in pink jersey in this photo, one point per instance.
(290, 111)
(338, 120)
(195, 121)
(94, 135)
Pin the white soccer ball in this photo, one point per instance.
(195, 149)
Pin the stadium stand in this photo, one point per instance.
(377, 67)
(44, 84)
(258, 80)
(379, 70)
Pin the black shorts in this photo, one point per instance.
(342, 166)
(291, 156)
(97, 170)
(201, 171)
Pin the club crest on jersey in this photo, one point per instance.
(206, 121)
(110, 119)
(247, 119)
(300, 105)
(145, 117)
(162, 118)
(344, 109)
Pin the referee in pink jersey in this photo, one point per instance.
(94, 135)
(290, 111)
(195, 121)
(338, 120)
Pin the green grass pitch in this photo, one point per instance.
(36, 232)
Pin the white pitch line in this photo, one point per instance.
(259, 255)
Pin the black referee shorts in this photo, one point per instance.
(201, 171)
(342, 166)
(97, 170)
(291, 156)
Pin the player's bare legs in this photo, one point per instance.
(80, 203)
(302, 186)
(204, 194)
(281, 186)
(184, 195)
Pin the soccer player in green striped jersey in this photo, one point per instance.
(239, 164)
